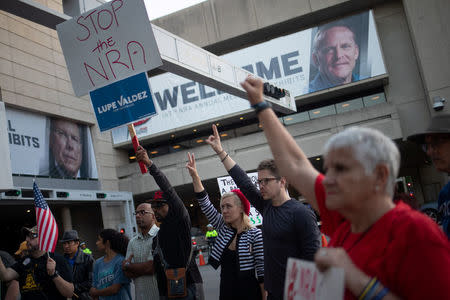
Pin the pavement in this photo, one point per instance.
(211, 280)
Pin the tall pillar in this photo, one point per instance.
(66, 218)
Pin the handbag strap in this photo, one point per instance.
(163, 261)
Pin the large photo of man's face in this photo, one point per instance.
(66, 146)
(335, 55)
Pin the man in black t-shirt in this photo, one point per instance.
(40, 276)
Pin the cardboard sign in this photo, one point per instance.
(123, 102)
(226, 184)
(305, 282)
(107, 44)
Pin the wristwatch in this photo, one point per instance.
(260, 106)
(56, 274)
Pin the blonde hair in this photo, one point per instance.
(245, 219)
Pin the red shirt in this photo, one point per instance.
(404, 249)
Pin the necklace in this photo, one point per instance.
(357, 241)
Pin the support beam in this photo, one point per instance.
(179, 56)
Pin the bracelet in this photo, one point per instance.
(260, 106)
(381, 294)
(367, 288)
(372, 291)
(224, 158)
(221, 152)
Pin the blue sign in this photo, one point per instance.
(123, 102)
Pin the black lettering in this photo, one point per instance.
(203, 93)
(28, 140)
(173, 99)
(10, 138)
(35, 142)
(274, 69)
(287, 64)
(185, 92)
(16, 139)
(10, 127)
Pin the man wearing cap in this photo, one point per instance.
(210, 236)
(174, 236)
(436, 143)
(40, 275)
(85, 249)
(80, 263)
(138, 264)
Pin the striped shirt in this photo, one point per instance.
(249, 246)
(146, 287)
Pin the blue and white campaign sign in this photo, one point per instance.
(123, 102)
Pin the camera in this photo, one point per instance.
(438, 103)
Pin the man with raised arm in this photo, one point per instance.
(290, 228)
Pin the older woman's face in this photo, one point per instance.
(346, 183)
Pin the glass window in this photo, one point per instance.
(296, 118)
(322, 112)
(349, 105)
(374, 99)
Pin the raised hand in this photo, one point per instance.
(190, 165)
(51, 266)
(214, 140)
(141, 155)
(254, 88)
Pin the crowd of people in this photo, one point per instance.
(387, 249)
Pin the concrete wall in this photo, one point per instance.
(34, 77)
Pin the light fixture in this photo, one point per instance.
(217, 124)
(172, 135)
(345, 105)
(316, 112)
(375, 97)
(191, 205)
(176, 147)
(199, 141)
(241, 118)
(28, 210)
(318, 158)
(288, 119)
(224, 134)
(154, 152)
(195, 130)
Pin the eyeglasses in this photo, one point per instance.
(158, 204)
(64, 135)
(264, 181)
(142, 212)
(434, 142)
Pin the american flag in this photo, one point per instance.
(46, 223)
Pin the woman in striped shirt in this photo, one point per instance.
(239, 246)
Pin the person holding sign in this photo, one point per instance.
(239, 246)
(290, 228)
(384, 249)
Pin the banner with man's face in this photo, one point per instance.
(46, 146)
(308, 61)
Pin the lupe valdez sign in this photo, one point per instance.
(107, 44)
(123, 102)
(226, 184)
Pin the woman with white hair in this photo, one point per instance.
(238, 248)
(387, 251)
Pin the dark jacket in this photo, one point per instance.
(174, 235)
(82, 274)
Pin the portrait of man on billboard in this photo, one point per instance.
(68, 151)
(336, 51)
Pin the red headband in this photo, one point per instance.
(244, 201)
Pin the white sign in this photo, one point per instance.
(53, 147)
(107, 44)
(226, 184)
(284, 61)
(305, 282)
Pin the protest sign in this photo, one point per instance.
(109, 43)
(226, 184)
(305, 282)
(123, 102)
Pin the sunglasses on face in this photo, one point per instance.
(158, 204)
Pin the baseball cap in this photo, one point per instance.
(30, 230)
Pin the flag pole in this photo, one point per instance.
(135, 141)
